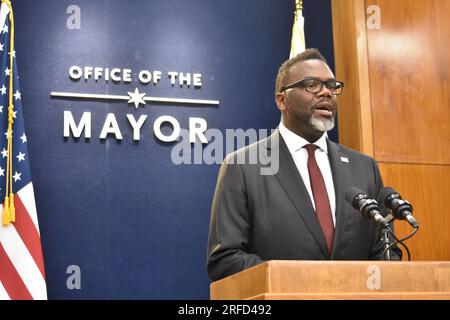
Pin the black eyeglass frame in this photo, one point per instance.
(301, 83)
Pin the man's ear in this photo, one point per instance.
(280, 99)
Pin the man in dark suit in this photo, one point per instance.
(298, 212)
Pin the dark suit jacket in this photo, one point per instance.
(259, 217)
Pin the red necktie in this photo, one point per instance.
(323, 209)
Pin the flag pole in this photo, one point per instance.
(298, 34)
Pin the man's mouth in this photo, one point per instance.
(324, 109)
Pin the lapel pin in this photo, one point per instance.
(344, 159)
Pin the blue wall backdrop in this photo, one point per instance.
(134, 222)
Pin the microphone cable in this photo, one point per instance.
(400, 242)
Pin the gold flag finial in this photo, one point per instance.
(298, 5)
(298, 34)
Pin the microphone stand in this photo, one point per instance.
(386, 243)
(385, 237)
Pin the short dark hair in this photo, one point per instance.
(308, 54)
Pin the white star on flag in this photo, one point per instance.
(1, 46)
(5, 29)
(14, 54)
(17, 95)
(3, 90)
(1, 109)
(7, 72)
(16, 176)
(24, 138)
(21, 156)
(136, 97)
(4, 153)
(7, 135)
(2, 172)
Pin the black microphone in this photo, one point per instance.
(368, 207)
(401, 209)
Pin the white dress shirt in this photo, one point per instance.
(295, 145)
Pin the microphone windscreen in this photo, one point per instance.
(351, 195)
(383, 195)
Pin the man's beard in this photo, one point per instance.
(321, 124)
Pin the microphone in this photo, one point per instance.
(367, 207)
(401, 209)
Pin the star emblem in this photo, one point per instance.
(4, 153)
(16, 176)
(24, 138)
(2, 172)
(7, 72)
(17, 95)
(3, 90)
(136, 97)
(21, 156)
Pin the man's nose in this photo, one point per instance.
(325, 92)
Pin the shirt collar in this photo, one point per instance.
(294, 142)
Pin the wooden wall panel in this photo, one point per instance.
(404, 69)
(354, 112)
(427, 188)
(409, 67)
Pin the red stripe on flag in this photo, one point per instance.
(11, 280)
(28, 233)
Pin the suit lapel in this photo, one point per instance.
(340, 168)
(292, 183)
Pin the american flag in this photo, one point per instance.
(22, 274)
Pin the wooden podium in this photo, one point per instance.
(286, 280)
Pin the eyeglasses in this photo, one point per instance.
(314, 85)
